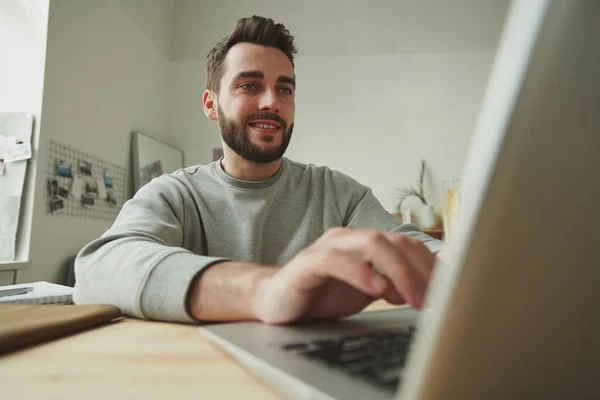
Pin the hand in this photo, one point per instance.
(334, 277)
(443, 255)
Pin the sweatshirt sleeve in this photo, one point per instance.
(139, 265)
(361, 209)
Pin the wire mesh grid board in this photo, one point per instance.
(83, 186)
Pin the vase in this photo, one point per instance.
(406, 217)
(428, 217)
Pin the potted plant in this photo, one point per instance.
(428, 219)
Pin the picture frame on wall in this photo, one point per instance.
(151, 158)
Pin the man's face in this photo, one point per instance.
(255, 108)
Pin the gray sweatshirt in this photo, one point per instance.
(180, 223)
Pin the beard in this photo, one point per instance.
(236, 137)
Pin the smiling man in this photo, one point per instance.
(251, 95)
(254, 235)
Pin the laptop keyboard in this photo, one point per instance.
(376, 357)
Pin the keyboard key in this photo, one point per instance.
(377, 357)
(324, 343)
(327, 356)
(295, 346)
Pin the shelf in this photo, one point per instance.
(436, 233)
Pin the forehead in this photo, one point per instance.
(271, 61)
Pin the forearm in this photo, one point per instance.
(228, 291)
(143, 278)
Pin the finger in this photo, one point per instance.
(418, 255)
(374, 248)
(318, 266)
(393, 297)
(420, 260)
(416, 282)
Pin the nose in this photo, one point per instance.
(269, 101)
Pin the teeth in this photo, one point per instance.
(265, 126)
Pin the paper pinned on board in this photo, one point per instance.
(76, 187)
(18, 152)
(12, 149)
(3, 141)
(101, 188)
(15, 145)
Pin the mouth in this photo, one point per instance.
(266, 127)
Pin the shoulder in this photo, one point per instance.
(191, 177)
(193, 172)
(323, 172)
(176, 184)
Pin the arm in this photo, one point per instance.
(331, 278)
(361, 209)
(228, 291)
(139, 265)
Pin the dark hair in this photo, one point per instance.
(258, 30)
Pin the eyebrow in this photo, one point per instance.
(249, 74)
(287, 79)
(259, 75)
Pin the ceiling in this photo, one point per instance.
(187, 29)
(338, 27)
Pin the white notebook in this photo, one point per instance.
(42, 293)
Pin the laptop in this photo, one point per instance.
(514, 313)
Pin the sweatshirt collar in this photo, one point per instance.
(238, 183)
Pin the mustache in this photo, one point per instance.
(266, 115)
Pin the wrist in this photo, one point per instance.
(228, 291)
(260, 283)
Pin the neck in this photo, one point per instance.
(240, 168)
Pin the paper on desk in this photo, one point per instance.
(43, 293)
(9, 219)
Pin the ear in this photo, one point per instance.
(209, 101)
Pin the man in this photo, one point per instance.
(254, 235)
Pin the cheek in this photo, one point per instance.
(239, 109)
(290, 111)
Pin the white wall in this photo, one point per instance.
(376, 117)
(381, 85)
(23, 31)
(105, 77)
(154, 18)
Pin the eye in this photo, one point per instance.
(248, 86)
(285, 90)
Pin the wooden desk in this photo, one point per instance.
(436, 233)
(131, 359)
